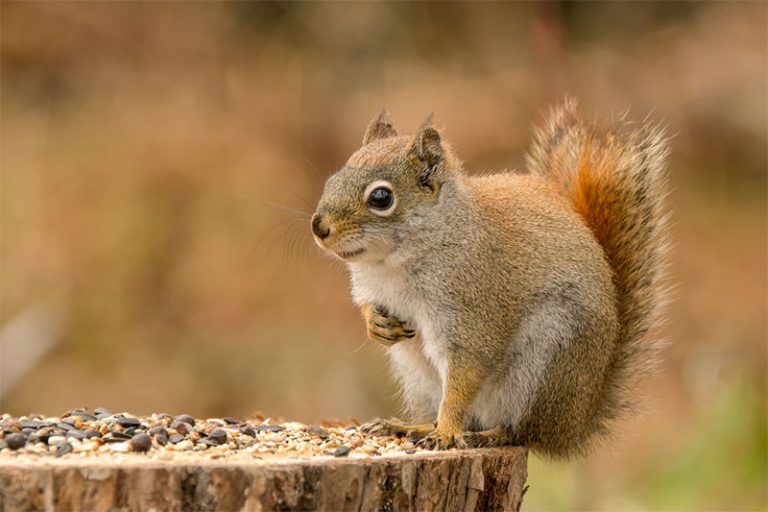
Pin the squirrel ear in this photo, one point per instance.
(427, 148)
(380, 127)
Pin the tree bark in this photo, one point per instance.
(489, 479)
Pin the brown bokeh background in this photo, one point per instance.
(160, 162)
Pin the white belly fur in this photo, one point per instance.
(420, 366)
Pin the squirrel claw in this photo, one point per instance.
(384, 328)
(377, 427)
(395, 427)
(437, 441)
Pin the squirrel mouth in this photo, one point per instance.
(350, 254)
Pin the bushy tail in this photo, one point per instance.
(617, 182)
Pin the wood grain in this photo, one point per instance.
(490, 479)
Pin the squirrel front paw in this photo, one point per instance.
(384, 328)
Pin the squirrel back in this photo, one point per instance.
(616, 180)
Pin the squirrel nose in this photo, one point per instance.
(319, 228)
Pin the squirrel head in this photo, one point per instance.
(385, 188)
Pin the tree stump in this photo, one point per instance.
(486, 479)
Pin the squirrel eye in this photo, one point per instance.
(380, 198)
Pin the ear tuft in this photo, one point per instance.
(427, 148)
(380, 127)
(426, 144)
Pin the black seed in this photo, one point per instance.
(102, 410)
(269, 428)
(318, 431)
(186, 418)
(28, 431)
(69, 421)
(76, 434)
(103, 415)
(127, 422)
(115, 437)
(176, 438)
(63, 449)
(89, 433)
(207, 442)
(130, 431)
(218, 436)
(33, 424)
(247, 429)
(342, 451)
(182, 427)
(158, 430)
(140, 442)
(232, 421)
(161, 439)
(65, 426)
(164, 415)
(15, 441)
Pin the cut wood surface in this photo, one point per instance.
(487, 479)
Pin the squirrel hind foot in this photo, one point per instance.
(496, 437)
(395, 427)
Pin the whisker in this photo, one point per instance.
(285, 208)
(355, 350)
(269, 231)
(313, 165)
(296, 242)
(303, 200)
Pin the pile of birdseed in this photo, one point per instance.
(92, 434)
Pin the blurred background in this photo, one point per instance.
(160, 162)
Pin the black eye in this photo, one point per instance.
(381, 198)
